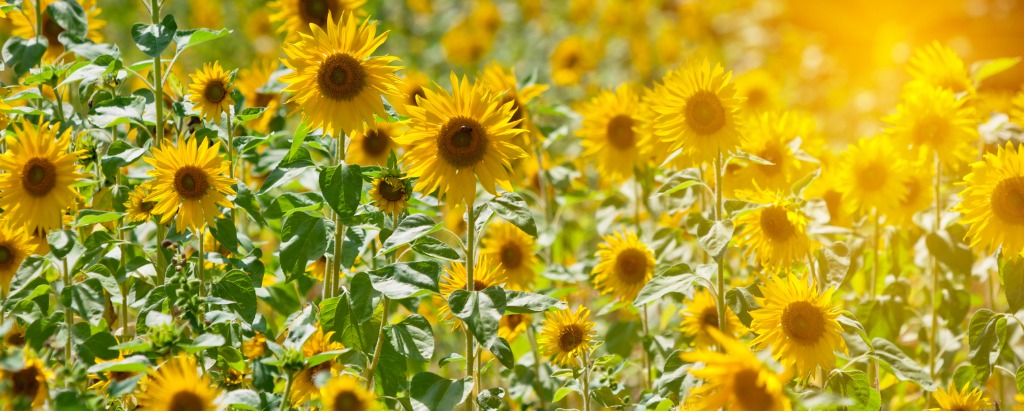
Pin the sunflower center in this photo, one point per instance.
(25, 382)
(190, 182)
(147, 206)
(391, 191)
(6, 255)
(514, 320)
(803, 322)
(620, 132)
(772, 153)
(1008, 200)
(347, 401)
(775, 223)
(572, 60)
(757, 97)
(478, 285)
(186, 400)
(570, 337)
(264, 99)
(872, 176)
(511, 256)
(709, 318)
(215, 92)
(913, 192)
(704, 113)
(119, 376)
(51, 30)
(39, 176)
(462, 142)
(375, 143)
(755, 396)
(315, 11)
(632, 266)
(341, 77)
(931, 130)
(14, 338)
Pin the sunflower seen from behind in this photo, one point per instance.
(625, 264)
(210, 91)
(872, 171)
(15, 246)
(992, 201)
(935, 119)
(700, 315)
(513, 251)
(177, 385)
(189, 184)
(460, 138)
(611, 132)
(336, 81)
(567, 335)
(966, 398)
(735, 379)
(346, 393)
(38, 185)
(776, 233)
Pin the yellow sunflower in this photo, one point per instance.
(190, 181)
(15, 337)
(294, 17)
(103, 381)
(776, 232)
(252, 84)
(24, 25)
(503, 82)
(317, 268)
(919, 180)
(611, 132)
(139, 209)
(177, 385)
(1017, 108)
(27, 384)
(512, 325)
(798, 324)
(939, 66)
(466, 43)
(345, 393)
(37, 188)
(391, 194)
(961, 400)
(625, 265)
(700, 315)
(335, 80)
(935, 119)
(412, 87)
(735, 379)
(373, 144)
(992, 203)
(304, 385)
(485, 275)
(567, 335)
(759, 90)
(456, 139)
(210, 91)
(256, 347)
(872, 172)
(775, 137)
(571, 60)
(15, 246)
(512, 249)
(697, 111)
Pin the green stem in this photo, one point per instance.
(287, 393)
(719, 260)
(68, 317)
(158, 98)
(380, 343)
(538, 385)
(872, 286)
(470, 246)
(648, 371)
(936, 300)
(201, 269)
(586, 380)
(339, 229)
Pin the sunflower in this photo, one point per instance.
(391, 194)
(210, 91)
(511, 325)
(566, 335)
(993, 201)
(1017, 108)
(137, 207)
(512, 249)
(252, 83)
(798, 324)
(485, 275)
(775, 232)
(15, 337)
(37, 187)
(939, 66)
(304, 384)
(345, 393)
(15, 246)
(373, 144)
(625, 266)
(872, 172)
(256, 347)
(700, 314)
(190, 181)
(572, 59)
(24, 25)
(935, 119)
(502, 81)
(104, 380)
(466, 43)
(611, 132)
(335, 81)
(456, 139)
(412, 87)
(775, 137)
(735, 379)
(295, 17)
(918, 180)
(961, 400)
(317, 268)
(759, 90)
(697, 111)
(27, 383)
(178, 386)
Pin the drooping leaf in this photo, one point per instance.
(905, 368)
(406, 279)
(511, 207)
(430, 392)
(411, 228)
(480, 310)
(526, 302)
(152, 39)
(414, 338)
(303, 240)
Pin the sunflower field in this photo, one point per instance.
(511, 205)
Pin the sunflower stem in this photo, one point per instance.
(648, 372)
(936, 300)
(202, 274)
(538, 385)
(339, 228)
(380, 343)
(68, 318)
(285, 405)
(470, 246)
(872, 286)
(719, 260)
(585, 357)
(158, 99)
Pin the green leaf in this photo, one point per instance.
(1011, 270)
(902, 366)
(430, 392)
(986, 337)
(480, 310)
(834, 262)
(70, 16)
(85, 299)
(715, 240)
(526, 302)
(250, 113)
(99, 346)
(237, 287)
(410, 229)
(403, 280)
(247, 201)
(134, 364)
(24, 54)
(490, 399)
(680, 181)
(89, 217)
(984, 69)
(1020, 379)
(856, 386)
(152, 39)
(61, 242)
(191, 38)
(677, 279)
(224, 231)
(342, 186)
(511, 207)
(741, 302)
(204, 341)
(304, 239)
(849, 321)
(413, 338)
(244, 399)
(434, 248)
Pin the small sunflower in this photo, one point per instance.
(503, 82)
(210, 91)
(37, 188)
(511, 325)
(411, 88)
(466, 43)
(775, 232)
(700, 314)
(939, 66)
(373, 144)
(759, 90)
(611, 132)
(24, 25)
(485, 275)
(177, 386)
(918, 181)
(625, 265)
(190, 181)
(567, 335)
(993, 201)
(256, 347)
(336, 81)
(15, 337)
(798, 324)
(735, 379)
(29, 383)
(775, 137)
(345, 393)
(935, 119)
(318, 268)
(304, 385)
(961, 400)
(456, 139)
(104, 380)
(1017, 108)
(513, 250)
(697, 111)
(294, 17)
(872, 172)
(572, 59)
(252, 83)
(391, 194)
(15, 246)
(137, 207)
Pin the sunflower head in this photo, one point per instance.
(27, 383)
(735, 379)
(612, 132)
(256, 347)
(304, 386)
(391, 189)
(137, 207)
(211, 91)
(485, 275)
(571, 60)
(872, 172)
(700, 315)
(512, 325)
(992, 204)
(963, 399)
(776, 137)
(502, 81)
(567, 335)
(15, 246)
(918, 181)
(346, 393)
(625, 265)
(253, 84)
(937, 65)
(294, 17)
(775, 232)
(937, 120)
(373, 144)
(190, 183)
(512, 249)
(759, 91)
(177, 385)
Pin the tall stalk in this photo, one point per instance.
(339, 229)
(383, 320)
(470, 250)
(936, 299)
(158, 99)
(719, 260)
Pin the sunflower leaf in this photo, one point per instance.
(190, 38)
(303, 240)
(342, 186)
(526, 302)
(1011, 270)
(511, 207)
(905, 368)
(480, 310)
(677, 279)
(411, 228)
(24, 54)
(403, 280)
(413, 338)
(717, 237)
(152, 39)
(70, 16)
(434, 248)
(430, 392)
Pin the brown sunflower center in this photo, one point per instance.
(514, 320)
(511, 256)
(776, 225)
(773, 153)
(631, 266)
(39, 176)
(375, 143)
(754, 394)
(572, 61)
(391, 191)
(757, 97)
(14, 338)
(264, 99)
(709, 317)
(872, 175)
(190, 182)
(26, 383)
(6, 255)
(347, 401)
(186, 400)
(462, 142)
(704, 113)
(52, 30)
(1008, 200)
(803, 322)
(341, 77)
(930, 130)
(914, 190)
(478, 285)
(620, 132)
(315, 11)
(119, 376)
(215, 92)
(570, 338)
(147, 206)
